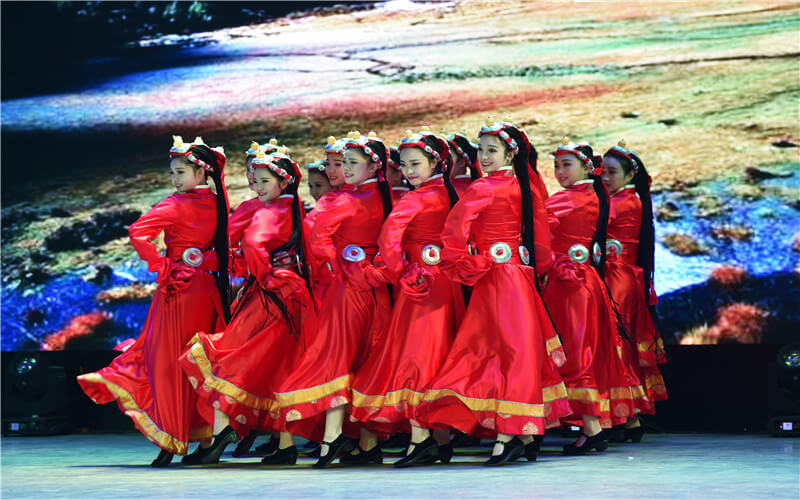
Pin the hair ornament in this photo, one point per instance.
(412, 140)
(568, 147)
(498, 129)
(262, 160)
(621, 150)
(356, 140)
(312, 164)
(180, 148)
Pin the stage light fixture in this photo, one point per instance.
(785, 392)
(34, 396)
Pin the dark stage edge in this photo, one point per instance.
(704, 466)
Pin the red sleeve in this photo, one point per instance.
(147, 228)
(266, 226)
(558, 206)
(391, 237)
(537, 184)
(456, 260)
(326, 225)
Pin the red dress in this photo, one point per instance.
(424, 319)
(501, 372)
(398, 192)
(353, 314)
(625, 280)
(595, 376)
(321, 274)
(237, 370)
(145, 380)
(237, 223)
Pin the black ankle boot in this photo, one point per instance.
(336, 447)
(221, 440)
(163, 459)
(286, 456)
(424, 453)
(532, 449)
(634, 434)
(512, 450)
(363, 457)
(195, 457)
(597, 442)
(244, 445)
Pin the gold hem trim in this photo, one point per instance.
(393, 398)
(146, 424)
(226, 388)
(502, 407)
(314, 393)
(552, 344)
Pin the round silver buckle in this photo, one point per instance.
(524, 255)
(353, 253)
(597, 253)
(431, 255)
(500, 252)
(613, 247)
(192, 256)
(578, 253)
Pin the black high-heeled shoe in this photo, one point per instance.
(424, 453)
(512, 450)
(597, 442)
(335, 448)
(163, 459)
(634, 434)
(221, 440)
(445, 453)
(268, 448)
(285, 456)
(363, 457)
(195, 457)
(244, 445)
(532, 449)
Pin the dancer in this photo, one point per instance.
(500, 377)
(237, 371)
(578, 299)
(463, 155)
(427, 310)
(395, 177)
(354, 311)
(192, 296)
(318, 182)
(631, 246)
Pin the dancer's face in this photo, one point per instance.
(492, 153)
(268, 185)
(614, 176)
(333, 169)
(184, 175)
(417, 167)
(357, 166)
(318, 184)
(569, 170)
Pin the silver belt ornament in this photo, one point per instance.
(615, 245)
(353, 253)
(431, 255)
(192, 256)
(579, 253)
(500, 252)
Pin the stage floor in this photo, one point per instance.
(662, 466)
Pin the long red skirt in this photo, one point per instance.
(625, 282)
(146, 380)
(501, 373)
(595, 376)
(390, 385)
(238, 370)
(350, 322)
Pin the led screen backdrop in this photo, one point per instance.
(707, 92)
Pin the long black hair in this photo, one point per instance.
(379, 148)
(472, 155)
(601, 233)
(204, 153)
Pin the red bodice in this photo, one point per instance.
(416, 221)
(270, 229)
(572, 214)
(625, 221)
(187, 220)
(352, 218)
